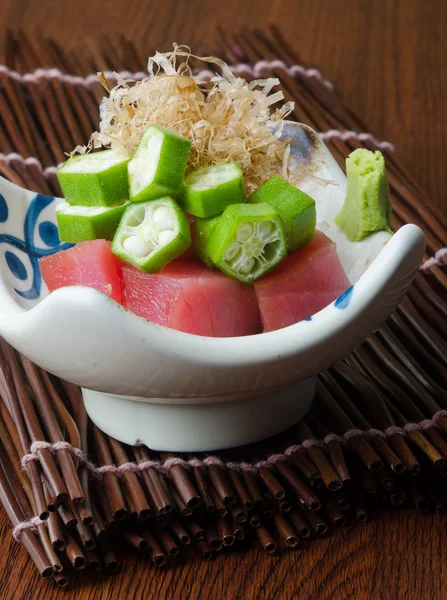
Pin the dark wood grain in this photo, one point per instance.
(400, 555)
(388, 59)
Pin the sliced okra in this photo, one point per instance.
(207, 192)
(151, 234)
(81, 223)
(158, 166)
(203, 228)
(95, 179)
(296, 208)
(247, 241)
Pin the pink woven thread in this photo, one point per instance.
(233, 466)
(257, 69)
(53, 449)
(372, 433)
(275, 458)
(148, 464)
(394, 430)
(352, 433)
(176, 461)
(28, 525)
(213, 460)
(427, 424)
(250, 467)
(239, 69)
(435, 261)
(193, 463)
(333, 437)
(312, 444)
(298, 447)
(345, 136)
(409, 427)
(439, 415)
(49, 74)
(256, 467)
(29, 160)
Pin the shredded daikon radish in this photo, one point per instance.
(226, 119)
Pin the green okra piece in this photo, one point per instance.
(95, 179)
(247, 241)
(158, 166)
(208, 191)
(81, 223)
(203, 228)
(296, 208)
(151, 234)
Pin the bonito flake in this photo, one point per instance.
(227, 118)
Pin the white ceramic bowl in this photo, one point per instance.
(145, 383)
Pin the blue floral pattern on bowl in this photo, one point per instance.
(39, 238)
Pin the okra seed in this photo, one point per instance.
(137, 246)
(232, 251)
(162, 213)
(247, 266)
(164, 237)
(244, 232)
(265, 229)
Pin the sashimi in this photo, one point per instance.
(188, 296)
(89, 263)
(303, 284)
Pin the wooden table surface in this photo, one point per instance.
(388, 58)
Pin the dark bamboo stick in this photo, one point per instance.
(203, 489)
(317, 522)
(301, 526)
(285, 530)
(167, 542)
(359, 444)
(110, 480)
(28, 539)
(222, 485)
(240, 488)
(204, 550)
(131, 480)
(22, 402)
(180, 532)
(183, 483)
(218, 504)
(54, 432)
(225, 531)
(155, 550)
(265, 539)
(158, 494)
(17, 423)
(327, 472)
(307, 499)
(75, 398)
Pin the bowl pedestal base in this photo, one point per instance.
(199, 425)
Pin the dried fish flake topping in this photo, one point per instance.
(226, 119)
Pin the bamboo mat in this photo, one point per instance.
(376, 434)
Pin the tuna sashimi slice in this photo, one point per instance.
(303, 284)
(89, 263)
(188, 296)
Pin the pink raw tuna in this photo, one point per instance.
(188, 296)
(89, 263)
(303, 284)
